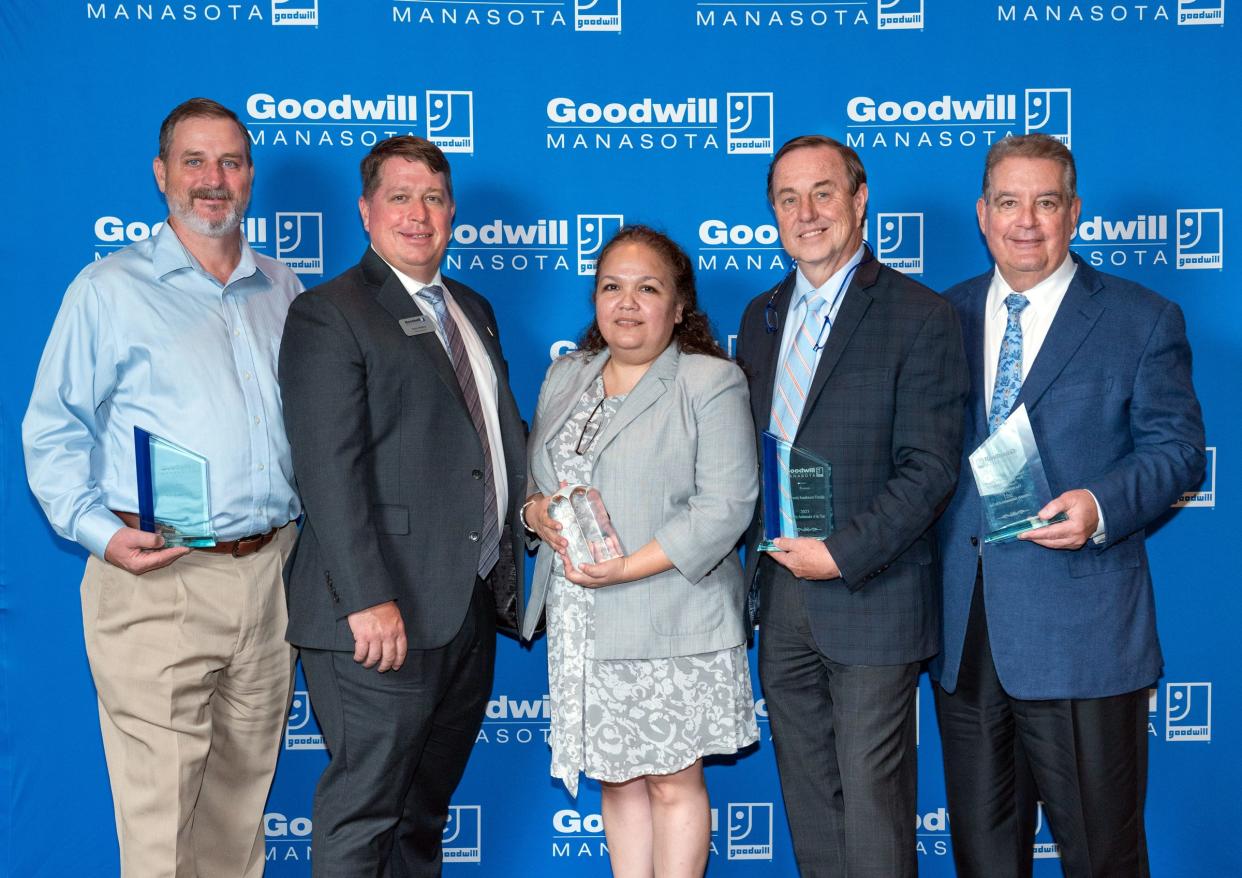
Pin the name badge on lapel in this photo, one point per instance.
(417, 325)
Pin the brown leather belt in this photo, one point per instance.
(237, 548)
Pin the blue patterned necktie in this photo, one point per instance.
(1009, 367)
(489, 536)
(792, 386)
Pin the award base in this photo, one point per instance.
(174, 539)
(1005, 534)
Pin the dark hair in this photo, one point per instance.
(198, 108)
(1033, 146)
(410, 148)
(854, 169)
(693, 334)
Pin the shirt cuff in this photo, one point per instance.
(95, 528)
(1099, 537)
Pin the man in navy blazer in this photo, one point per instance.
(1050, 640)
(862, 366)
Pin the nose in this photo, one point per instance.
(418, 210)
(213, 176)
(1026, 215)
(806, 210)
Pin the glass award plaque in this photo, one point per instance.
(585, 524)
(1011, 481)
(172, 491)
(797, 493)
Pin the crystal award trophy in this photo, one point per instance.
(797, 493)
(585, 524)
(172, 491)
(1011, 480)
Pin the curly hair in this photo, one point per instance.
(694, 333)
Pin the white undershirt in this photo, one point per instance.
(484, 376)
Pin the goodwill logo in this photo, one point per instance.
(294, 12)
(899, 241)
(1205, 494)
(588, 15)
(299, 237)
(1201, 238)
(749, 829)
(1188, 712)
(1127, 12)
(887, 14)
(746, 125)
(949, 121)
(509, 720)
(1045, 847)
(545, 245)
(728, 246)
(597, 15)
(462, 840)
(282, 12)
(301, 730)
(348, 120)
(288, 838)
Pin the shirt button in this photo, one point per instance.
(474, 536)
(246, 375)
(256, 419)
(476, 474)
(237, 332)
(261, 467)
(974, 541)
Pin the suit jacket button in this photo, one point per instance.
(474, 536)
(974, 541)
(476, 474)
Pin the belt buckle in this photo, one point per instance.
(256, 540)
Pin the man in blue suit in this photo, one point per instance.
(1050, 640)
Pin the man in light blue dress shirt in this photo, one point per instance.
(178, 335)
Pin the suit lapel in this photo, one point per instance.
(394, 299)
(1075, 317)
(560, 406)
(853, 307)
(974, 320)
(649, 388)
(768, 358)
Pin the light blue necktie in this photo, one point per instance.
(1009, 367)
(792, 386)
(489, 535)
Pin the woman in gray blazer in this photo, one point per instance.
(646, 653)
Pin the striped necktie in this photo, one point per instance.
(489, 536)
(1009, 366)
(789, 399)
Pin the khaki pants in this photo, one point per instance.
(194, 679)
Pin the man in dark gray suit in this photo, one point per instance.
(409, 455)
(864, 367)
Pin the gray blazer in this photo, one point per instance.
(675, 464)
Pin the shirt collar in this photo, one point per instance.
(1046, 289)
(412, 285)
(828, 291)
(171, 255)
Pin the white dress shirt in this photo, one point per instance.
(1045, 298)
(484, 377)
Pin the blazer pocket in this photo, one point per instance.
(391, 519)
(1080, 390)
(1129, 554)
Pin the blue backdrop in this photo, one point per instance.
(562, 118)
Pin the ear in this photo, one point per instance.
(1075, 210)
(364, 210)
(677, 316)
(161, 172)
(981, 207)
(860, 200)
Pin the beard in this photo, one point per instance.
(183, 210)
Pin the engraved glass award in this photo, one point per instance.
(797, 493)
(172, 491)
(1011, 481)
(585, 524)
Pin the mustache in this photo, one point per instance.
(212, 194)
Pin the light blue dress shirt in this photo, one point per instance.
(148, 338)
(824, 297)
